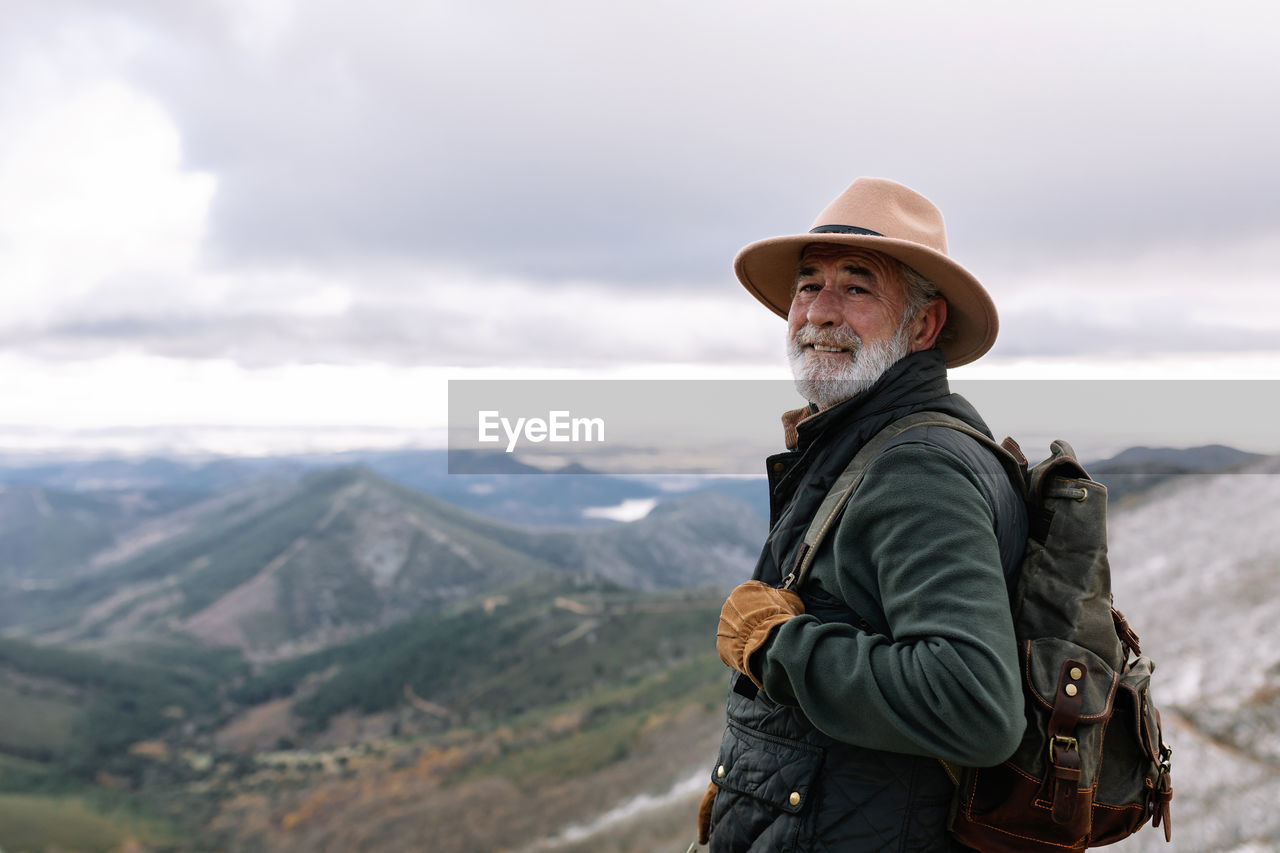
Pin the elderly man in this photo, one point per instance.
(898, 650)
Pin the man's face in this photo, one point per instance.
(845, 326)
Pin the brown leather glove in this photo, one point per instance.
(704, 814)
(749, 615)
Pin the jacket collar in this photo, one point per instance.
(919, 377)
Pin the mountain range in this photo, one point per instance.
(280, 565)
(175, 630)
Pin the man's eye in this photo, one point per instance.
(854, 289)
(808, 286)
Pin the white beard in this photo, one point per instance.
(826, 381)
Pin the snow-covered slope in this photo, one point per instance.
(1196, 568)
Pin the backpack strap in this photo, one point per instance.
(845, 485)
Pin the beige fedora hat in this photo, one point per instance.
(874, 213)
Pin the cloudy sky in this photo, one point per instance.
(269, 224)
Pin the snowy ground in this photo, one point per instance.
(1196, 568)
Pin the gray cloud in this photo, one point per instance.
(1047, 335)
(647, 142)
(442, 322)
(409, 335)
(638, 146)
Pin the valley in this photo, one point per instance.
(290, 656)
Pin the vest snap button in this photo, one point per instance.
(1076, 674)
(720, 772)
(795, 798)
(1070, 690)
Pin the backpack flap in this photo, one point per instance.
(1076, 690)
(1046, 667)
(1042, 798)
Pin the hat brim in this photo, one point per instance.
(767, 269)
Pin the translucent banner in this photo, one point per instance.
(722, 427)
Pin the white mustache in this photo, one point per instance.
(843, 338)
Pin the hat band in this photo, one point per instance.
(844, 229)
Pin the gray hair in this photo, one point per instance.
(920, 292)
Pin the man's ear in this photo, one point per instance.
(928, 325)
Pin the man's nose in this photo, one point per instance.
(824, 310)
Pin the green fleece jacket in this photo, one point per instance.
(932, 668)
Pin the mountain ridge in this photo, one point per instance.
(287, 566)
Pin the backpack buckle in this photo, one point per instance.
(1067, 743)
(1064, 779)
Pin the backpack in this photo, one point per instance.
(1092, 767)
